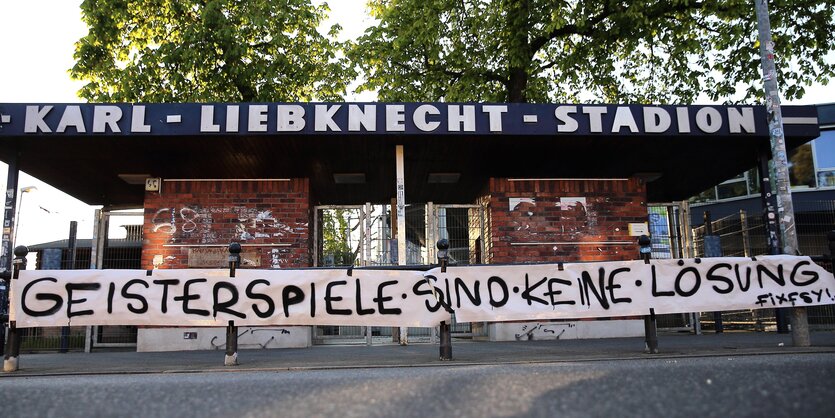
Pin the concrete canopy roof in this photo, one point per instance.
(96, 152)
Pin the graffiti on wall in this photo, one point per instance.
(542, 331)
(211, 225)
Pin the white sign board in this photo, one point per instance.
(588, 290)
(202, 297)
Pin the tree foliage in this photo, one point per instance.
(617, 51)
(336, 238)
(208, 50)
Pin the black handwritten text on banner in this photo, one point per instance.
(201, 297)
(406, 298)
(543, 291)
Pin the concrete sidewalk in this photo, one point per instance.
(418, 355)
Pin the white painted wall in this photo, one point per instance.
(214, 338)
(575, 330)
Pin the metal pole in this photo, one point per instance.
(6, 246)
(713, 248)
(446, 334)
(11, 359)
(231, 358)
(780, 165)
(71, 243)
(687, 250)
(401, 223)
(772, 227)
(650, 326)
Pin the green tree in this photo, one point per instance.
(208, 50)
(618, 51)
(336, 237)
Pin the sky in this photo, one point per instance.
(38, 39)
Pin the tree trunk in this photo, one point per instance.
(520, 56)
(517, 86)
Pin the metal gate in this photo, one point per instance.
(116, 244)
(364, 235)
(463, 227)
(672, 237)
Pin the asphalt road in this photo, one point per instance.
(795, 385)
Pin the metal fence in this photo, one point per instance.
(743, 235)
(122, 250)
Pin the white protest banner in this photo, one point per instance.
(204, 297)
(605, 289)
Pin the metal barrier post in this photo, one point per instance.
(446, 334)
(231, 358)
(11, 359)
(650, 328)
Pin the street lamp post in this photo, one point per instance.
(779, 175)
(23, 190)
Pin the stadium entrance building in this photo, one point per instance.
(364, 184)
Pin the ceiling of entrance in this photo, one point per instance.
(443, 169)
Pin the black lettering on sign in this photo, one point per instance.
(186, 296)
(697, 281)
(111, 289)
(219, 306)
(813, 275)
(819, 294)
(448, 300)
(416, 289)
(764, 271)
(474, 296)
(59, 302)
(329, 299)
(599, 293)
(71, 287)
(497, 303)
(612, 286)
(360, 310)
(127, 295)
(655, 292)
(313, 300)
(291, 295)
(781, 298)
(747, 285)
(551, 292)
(526, 294)
(260, 296)
(381, 300)
(713, 277)
(165, 284)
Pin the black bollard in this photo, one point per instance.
(11, 359)
(231, 358)
(650, 328)
(446, 334)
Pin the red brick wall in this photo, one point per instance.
(562, 215)
(194, 215)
